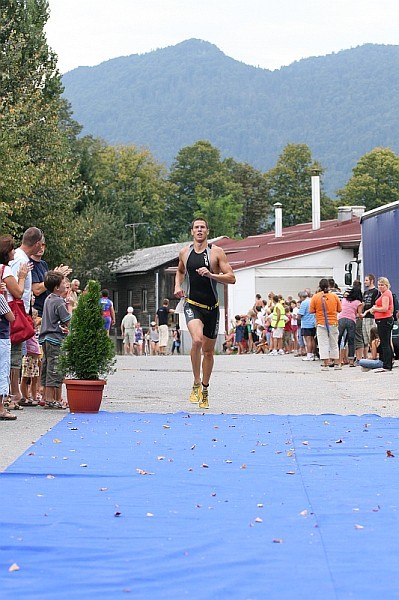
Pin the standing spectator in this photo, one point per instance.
(108, 312)
(53, 330)
(75, 293)
(370, 296)
(239, 335)
(128, 331)
(307, 322)
(383, 314)
(326, 305)
(154, 338)
(161, 318)
(6, 317)
(287, 334)
(138, 339)
(351, 308)
(278, 320)
(32, 241)
(176, 340)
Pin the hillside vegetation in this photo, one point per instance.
(341, 105)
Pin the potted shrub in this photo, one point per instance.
(88, 353)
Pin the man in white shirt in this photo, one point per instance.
(32, 241)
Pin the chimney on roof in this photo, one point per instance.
(345, 213)
(278, 219)
(315, 198)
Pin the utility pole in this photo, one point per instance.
(133, 226)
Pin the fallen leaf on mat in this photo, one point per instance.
(103, 489)
(142, 472)
(83, 465)
(166, 426)
(14, 567)
(259, 505)
(50, 477)
(213, 494)
(205, 466)
(359, 527)
(389, 453)
(304, 513)
(289, 454)
(229, 462)
(376, 509)
(243, 467)
(161, 457)
(277, 541)
(290, 473)
(258, 520)
(192, 447)
(326, 422)
(117, 514)
(149, 515)
(56, 441)
(338, 441)
(305, 443)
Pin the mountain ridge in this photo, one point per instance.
(172, 97)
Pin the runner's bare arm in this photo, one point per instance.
(180, 274)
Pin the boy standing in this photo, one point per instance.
(53, 330)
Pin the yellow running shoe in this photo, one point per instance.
(196, 394)
(204, 403)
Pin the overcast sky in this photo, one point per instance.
(265, 33)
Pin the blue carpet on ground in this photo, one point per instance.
(204, 507)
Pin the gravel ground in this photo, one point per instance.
(251, 384)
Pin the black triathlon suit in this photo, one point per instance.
(203, 291)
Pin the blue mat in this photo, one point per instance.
(204, 507)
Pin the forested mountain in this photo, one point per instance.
(341, 105)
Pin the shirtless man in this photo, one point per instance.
(202, 265)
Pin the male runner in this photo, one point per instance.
(202, 265)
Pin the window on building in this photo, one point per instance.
(115, 300)
(130, 297)
(144, 300)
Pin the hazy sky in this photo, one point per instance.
(265, 33)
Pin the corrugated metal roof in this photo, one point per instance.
(296, 240)
(253, 250)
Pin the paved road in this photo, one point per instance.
(253, 384)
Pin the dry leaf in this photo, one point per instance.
(305, 443)
(258, 520)
(338, 441)
(149, 514)
(117, 514)
(83, 465)
(389, 453)
(277, 541)
(259, 505)
(304, 513)
(326, 422)
(14, 567)
(192, 447)
(103, 489)
(50, 477)
(243, 467)
(56, 441)
(289, 454)
(229, 462)
(359, 527)
(166, 426)
(32, 454)
(161, 457)
(290, 473)
(205, 466)
(142, 472)
(213, 494)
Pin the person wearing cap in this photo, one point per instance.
(128, 331)
(201, 267)
(154, 339)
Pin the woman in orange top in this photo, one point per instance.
(383, 314)
(326, 305)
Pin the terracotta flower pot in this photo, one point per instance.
(84, 396)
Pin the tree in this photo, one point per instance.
(199, 175)
(375, 180)
(256, 206)
(290, 183)
(39, 182)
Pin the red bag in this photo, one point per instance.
(22, 328)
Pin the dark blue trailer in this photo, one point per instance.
(380, 243)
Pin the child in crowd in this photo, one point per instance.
(138, 339)
(176, 340)
(287, 333)
(262, 345)
(31, 366)
(53, 330)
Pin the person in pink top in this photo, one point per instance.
(351, 309)
(383, 314)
